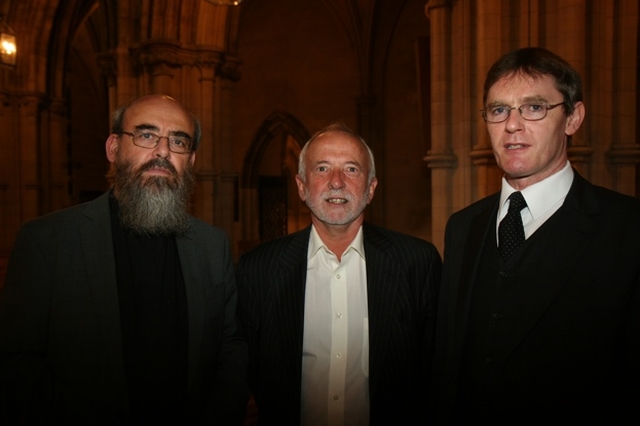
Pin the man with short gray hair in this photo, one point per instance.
(339, 317)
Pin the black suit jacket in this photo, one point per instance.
(60, 338)
(568, 339)
(402, 282)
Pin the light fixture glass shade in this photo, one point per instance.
(8, 49)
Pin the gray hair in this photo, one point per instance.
(335, 127)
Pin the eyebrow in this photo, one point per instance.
(354, 163)
(348, 163)
(526, 99)
(146, 126)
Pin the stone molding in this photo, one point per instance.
(162, 55)
(441, 160)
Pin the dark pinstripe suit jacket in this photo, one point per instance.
(403, 275)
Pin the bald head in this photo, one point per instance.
(160, 102)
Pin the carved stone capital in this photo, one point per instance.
(440, 159)
(161, 56)
(229, 69)
(30, 104)
(159, 52)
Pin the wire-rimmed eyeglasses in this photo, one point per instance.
(531, 111)
(149, 140)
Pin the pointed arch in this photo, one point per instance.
(280, 122)
(270, 166)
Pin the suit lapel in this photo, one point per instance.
(99, 262)
(289, 292)
(481, 232)
(195, 292)
(381, 271)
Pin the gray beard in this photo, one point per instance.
(154, 205)
(315, 205)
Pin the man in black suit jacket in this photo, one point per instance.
(122, 310)
(551, 331)
(293, 327)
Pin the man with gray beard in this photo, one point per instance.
(339, 317)
(156, 205)
(121, 310)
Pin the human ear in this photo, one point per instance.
(111, 147)
(575, 119)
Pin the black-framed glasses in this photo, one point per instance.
(149, 140)
(531, 111)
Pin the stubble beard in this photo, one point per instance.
(154, 205)
(353, 208)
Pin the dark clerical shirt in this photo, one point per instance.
(153, 315)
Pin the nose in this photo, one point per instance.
(336, 180)
(162, 148)
(514, 121)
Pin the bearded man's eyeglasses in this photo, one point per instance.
(149, 140)
(533, 111)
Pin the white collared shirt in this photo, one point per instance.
(543, 199)
(335, 347)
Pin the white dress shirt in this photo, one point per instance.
(335, 348)
(543, 199)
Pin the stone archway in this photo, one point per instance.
(268, 173)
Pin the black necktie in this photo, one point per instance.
(511, 231)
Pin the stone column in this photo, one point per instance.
(624, 153)
(440, 158)
(228, 196)
(368, 127)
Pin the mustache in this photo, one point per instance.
(337, 193)
(161, 163)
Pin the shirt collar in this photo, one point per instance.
(541, 195)
(316, 244)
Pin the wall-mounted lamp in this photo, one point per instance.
(7, 45)
(225, 2)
